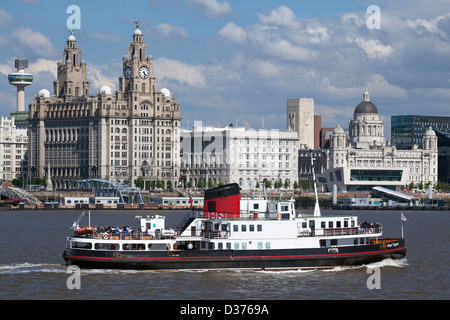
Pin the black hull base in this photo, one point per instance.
(236, 259)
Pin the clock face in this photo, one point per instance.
(144, 73)
(128, 73)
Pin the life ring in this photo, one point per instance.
(105, 236)
(370, 230)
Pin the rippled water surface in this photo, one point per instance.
(31, 265)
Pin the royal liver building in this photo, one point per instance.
(122, 135)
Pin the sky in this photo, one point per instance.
(238, 61)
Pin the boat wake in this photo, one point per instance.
(21, 268)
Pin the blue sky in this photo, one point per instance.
(229, 61)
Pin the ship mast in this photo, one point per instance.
(316, 207)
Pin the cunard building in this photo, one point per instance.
(122, 135)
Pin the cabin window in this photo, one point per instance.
(285, 216)
(355, 242)
(252, 228)
(228, 245)
(267, 245)
(243, 228)
(220, 246)
(210, 245)
(256, 206)
(353, 223)
(244, 245)
(322, 243)
(235, 227)
(133, 246)
(333, 242)
(260, 245)
(259, 227)
(304, 225)
(338, 224)
(107, 246)
(361, 240)
(236, 246)
(323, 224)
(82, 245)
(330, 224)
(223, 227)
(284, 208)
(345, 224)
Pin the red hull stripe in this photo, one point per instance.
(240, 257)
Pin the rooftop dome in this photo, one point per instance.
(366, 106)
(137, 32)
(338, 129)
(45, 93)
(106, 90)
(71, 38)
(165, 92)
(430, 132)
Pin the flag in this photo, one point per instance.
(403, 217)
(190, 201)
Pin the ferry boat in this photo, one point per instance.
(234, 233)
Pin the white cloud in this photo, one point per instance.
(168, 30)
(285, 50)
(43, 65)
(168, 69)
(211, 8)
(430, 25)
(233, 33)
(5, 18)
(318, 34)
(36, 41)
(374, 48)
(282, 17)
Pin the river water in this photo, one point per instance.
(31, 265)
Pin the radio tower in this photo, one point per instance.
(20, 79)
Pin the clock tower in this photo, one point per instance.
(137, 83)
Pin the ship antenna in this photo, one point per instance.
(316, 207)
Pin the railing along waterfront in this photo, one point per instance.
(346, 231)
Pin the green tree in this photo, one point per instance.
(287, 184)
(201, 184)
(210, 183)
(139, 183)
(268, 184)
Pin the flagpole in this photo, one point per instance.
(402, 230)
(403, 218)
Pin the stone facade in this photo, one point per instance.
(13, 150)
(367, 159)
(122, 135)
(300, 119)
(234, 154)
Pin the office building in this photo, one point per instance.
(233, 154)
(114, 135)
(408, 130)
(13, 150)
(367, 159)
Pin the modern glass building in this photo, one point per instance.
(408, 130)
